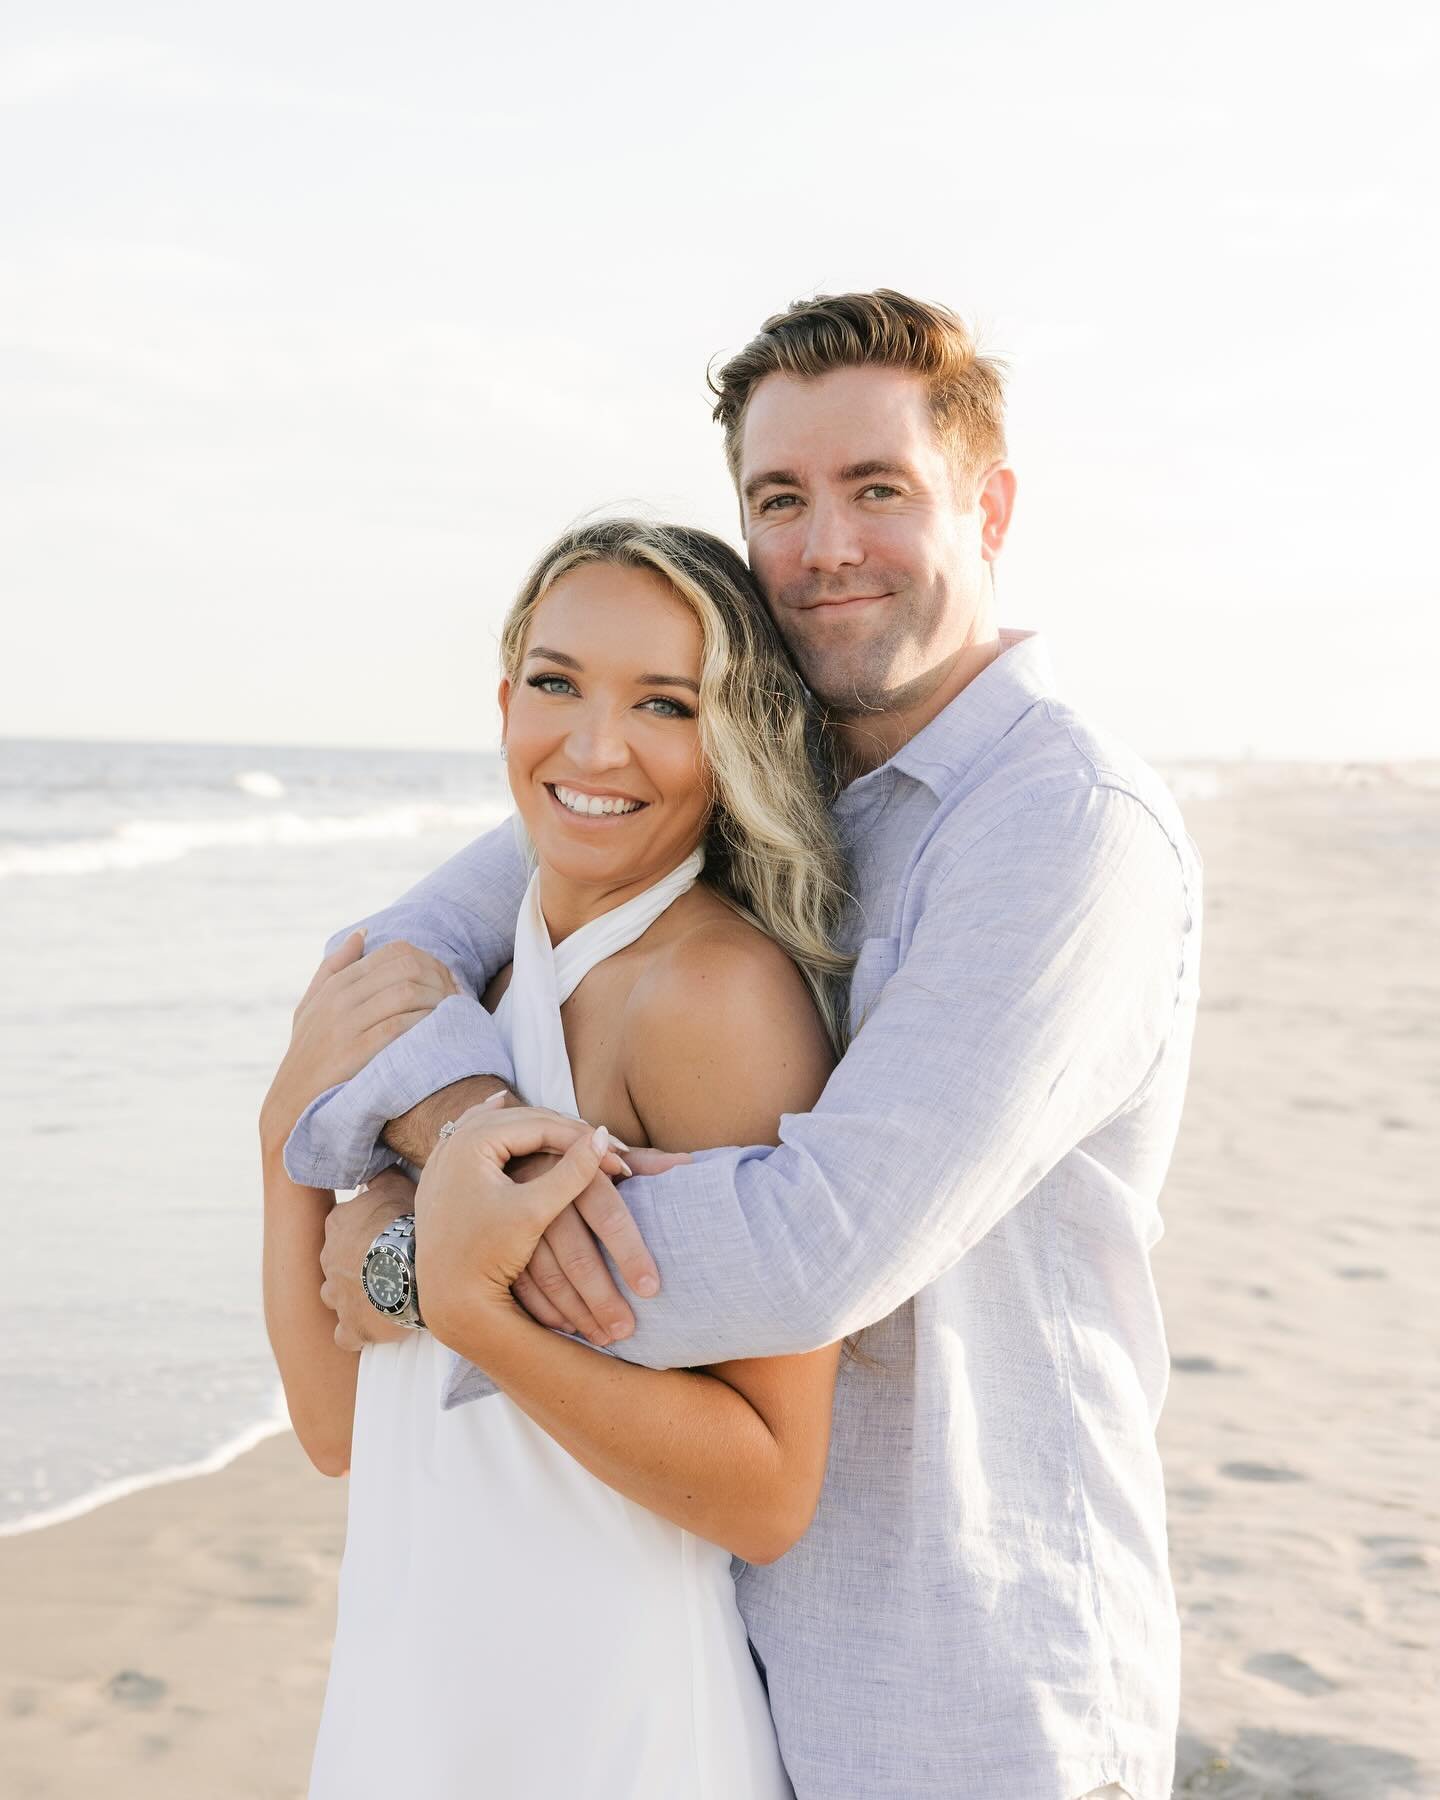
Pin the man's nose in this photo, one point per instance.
(832, 539)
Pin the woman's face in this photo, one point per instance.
(600, 730)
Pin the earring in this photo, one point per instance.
(503, 753)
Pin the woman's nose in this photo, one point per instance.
(597, 742)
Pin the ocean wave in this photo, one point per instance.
(211, 1464)
(141, 843)
(261, 784)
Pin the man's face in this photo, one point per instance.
(872, 556)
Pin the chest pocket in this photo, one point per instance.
(878, 960)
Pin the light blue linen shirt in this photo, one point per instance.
(982, 1606)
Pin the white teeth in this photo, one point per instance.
(592, 804)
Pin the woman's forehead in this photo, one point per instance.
(616, 612)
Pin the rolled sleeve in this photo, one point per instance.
(464, 915)
(335, 1142)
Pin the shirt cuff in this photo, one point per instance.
(335, 1142)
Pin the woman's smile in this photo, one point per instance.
(588, 806)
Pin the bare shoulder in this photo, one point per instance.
(722, 1035)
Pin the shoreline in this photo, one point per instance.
(216, 1461)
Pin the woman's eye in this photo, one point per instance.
(666, 708)
(550, 684)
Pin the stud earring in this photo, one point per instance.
(503, 753)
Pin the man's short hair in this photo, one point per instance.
(884, 330)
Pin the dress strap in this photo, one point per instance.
(544, 976)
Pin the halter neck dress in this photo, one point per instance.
(509, 1628)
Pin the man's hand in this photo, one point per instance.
(354, 1006)
(568, 1285)
(350, 1229)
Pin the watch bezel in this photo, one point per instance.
(398, 1257)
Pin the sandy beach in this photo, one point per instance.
(173, 1644)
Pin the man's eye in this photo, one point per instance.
(878, 489)
(543, 683)
(777, 502)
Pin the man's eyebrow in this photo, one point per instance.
(652, 680)
(771, 478)
(861, 470)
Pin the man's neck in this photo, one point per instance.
(867, 739)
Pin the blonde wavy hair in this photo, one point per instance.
(770, 849)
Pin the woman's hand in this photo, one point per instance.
(354, 1006)
(475, 1228)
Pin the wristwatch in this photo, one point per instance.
(388, 1273)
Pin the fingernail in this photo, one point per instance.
(495, 1099)
(600, 1140)
(624, 1165)
(619, 1331)
(646, 1286)
(617, 1143)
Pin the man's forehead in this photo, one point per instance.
(826, 424)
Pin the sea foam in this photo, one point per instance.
(141, 843)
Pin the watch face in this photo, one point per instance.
(387, 1279)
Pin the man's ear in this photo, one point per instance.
(997, 503)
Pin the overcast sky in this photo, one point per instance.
(318, 321)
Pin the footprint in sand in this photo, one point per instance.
(1289, 1671)
(1251, 1471)
(131, 1688)
(1358, 1273)
(1398, 1552)
(1195, 1365)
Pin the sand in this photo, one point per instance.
(173, 1644)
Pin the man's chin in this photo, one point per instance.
(847, 693)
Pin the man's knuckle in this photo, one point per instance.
(578, 1264)
(607, 1220)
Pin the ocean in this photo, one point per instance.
(162, 907)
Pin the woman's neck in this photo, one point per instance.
(567, 905)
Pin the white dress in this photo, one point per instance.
(509, 1628)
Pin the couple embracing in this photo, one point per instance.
(808, 858)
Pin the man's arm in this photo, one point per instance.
(1039, 989)
(464, 914)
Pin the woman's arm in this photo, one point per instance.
(724, 1039)
(319, 1378)
(742, 1469)
(348, 1008)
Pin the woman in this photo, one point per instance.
(674, 977)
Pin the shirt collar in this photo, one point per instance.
(974, 721)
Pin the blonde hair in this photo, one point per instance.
(886, 330)
(770, 848)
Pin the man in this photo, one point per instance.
(982, 1606)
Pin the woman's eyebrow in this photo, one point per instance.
(651, 680)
